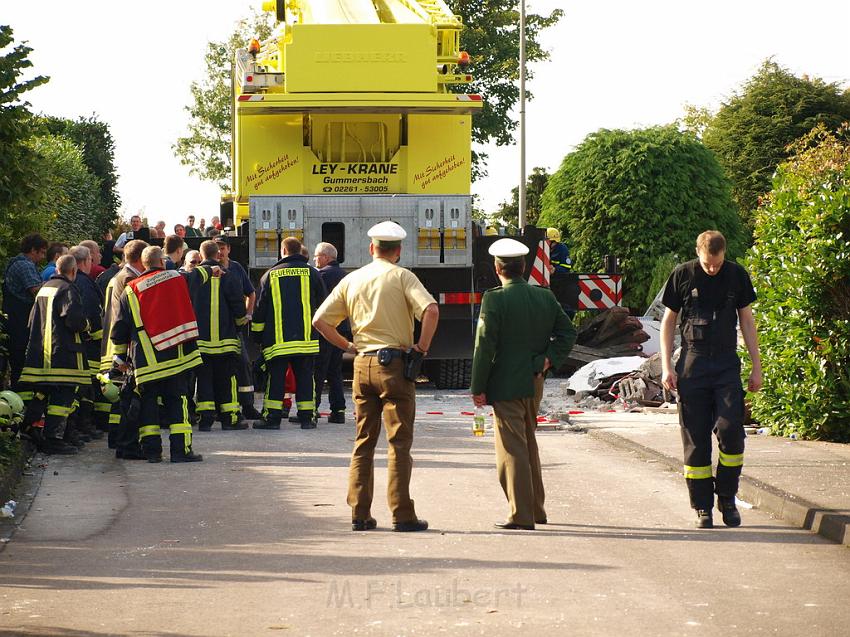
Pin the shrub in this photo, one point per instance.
(800, 263)
(639, 195)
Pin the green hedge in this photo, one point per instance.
(800, 263)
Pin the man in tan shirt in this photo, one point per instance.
(381, 301)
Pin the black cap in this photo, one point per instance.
(222, 238)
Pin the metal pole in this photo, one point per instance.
(522, 179)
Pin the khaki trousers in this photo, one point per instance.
(517, 457)
(381, 390)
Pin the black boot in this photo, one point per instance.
(704, 520)
(57, 446)
(206, 421)
(726, 506)
(182, 452)
(337, 417)
(269, 422)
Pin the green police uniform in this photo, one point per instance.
(520, 326)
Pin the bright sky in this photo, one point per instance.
(615, 64)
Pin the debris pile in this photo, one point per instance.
(609, 334)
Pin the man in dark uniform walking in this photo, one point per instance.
(713, 296)
(522, 333)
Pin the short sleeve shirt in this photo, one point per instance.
(21, 276)
(124, 238)
(381, 300)
(711, 290)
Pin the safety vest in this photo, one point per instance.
(219, 308)
(111, 303)
(289, 294)
(130, 335)
(55, 351)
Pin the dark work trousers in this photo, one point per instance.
(124, 435)
(329, 367)
(17, 357)
(58, 403)
(244, 371)
(217, 388)
(302, 368)
(711, 399)
(165, 403)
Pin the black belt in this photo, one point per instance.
(391, 352)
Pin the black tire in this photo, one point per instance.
(452, 373)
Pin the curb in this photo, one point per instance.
(797, 511)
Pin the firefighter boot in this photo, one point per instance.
(246, 401)
(704, 520)
(269, 422)
(337, 416)
(206, 421)
(182, 452)
(307, 419)
(726, 506)
(232, 422)
(152, 448)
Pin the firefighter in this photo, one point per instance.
(289, 294)
(522, 333)
(55, 365)
(220, 312)
(244, 367)
(381, 300)
(122, 435)
(713, 296)
(156, 333)
(93, 304)
(559, 253)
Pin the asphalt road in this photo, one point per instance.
(256, 540)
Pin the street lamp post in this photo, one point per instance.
(522, 179)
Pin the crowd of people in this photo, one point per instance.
(125, 338)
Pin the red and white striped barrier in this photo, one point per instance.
(540, 270)
(599, 291)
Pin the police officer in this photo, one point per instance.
(381, 300)
(712, 295)
(155, 332)
(522, 333)
(220, 311)
(55, 364)
(289, 294)
(329, 365)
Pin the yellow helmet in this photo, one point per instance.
(553, 234)
(490, 231)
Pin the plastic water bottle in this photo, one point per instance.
(478, 422)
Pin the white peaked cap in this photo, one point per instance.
(387, 231)
(506, 248)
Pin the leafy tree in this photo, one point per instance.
(20, 173)
(751, 132)
(508, 212)
(800, 264)
(206, 147)
(71, 191)
(639, 195)
(490, 35)
(98, 148)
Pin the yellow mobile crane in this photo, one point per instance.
(343, 118)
